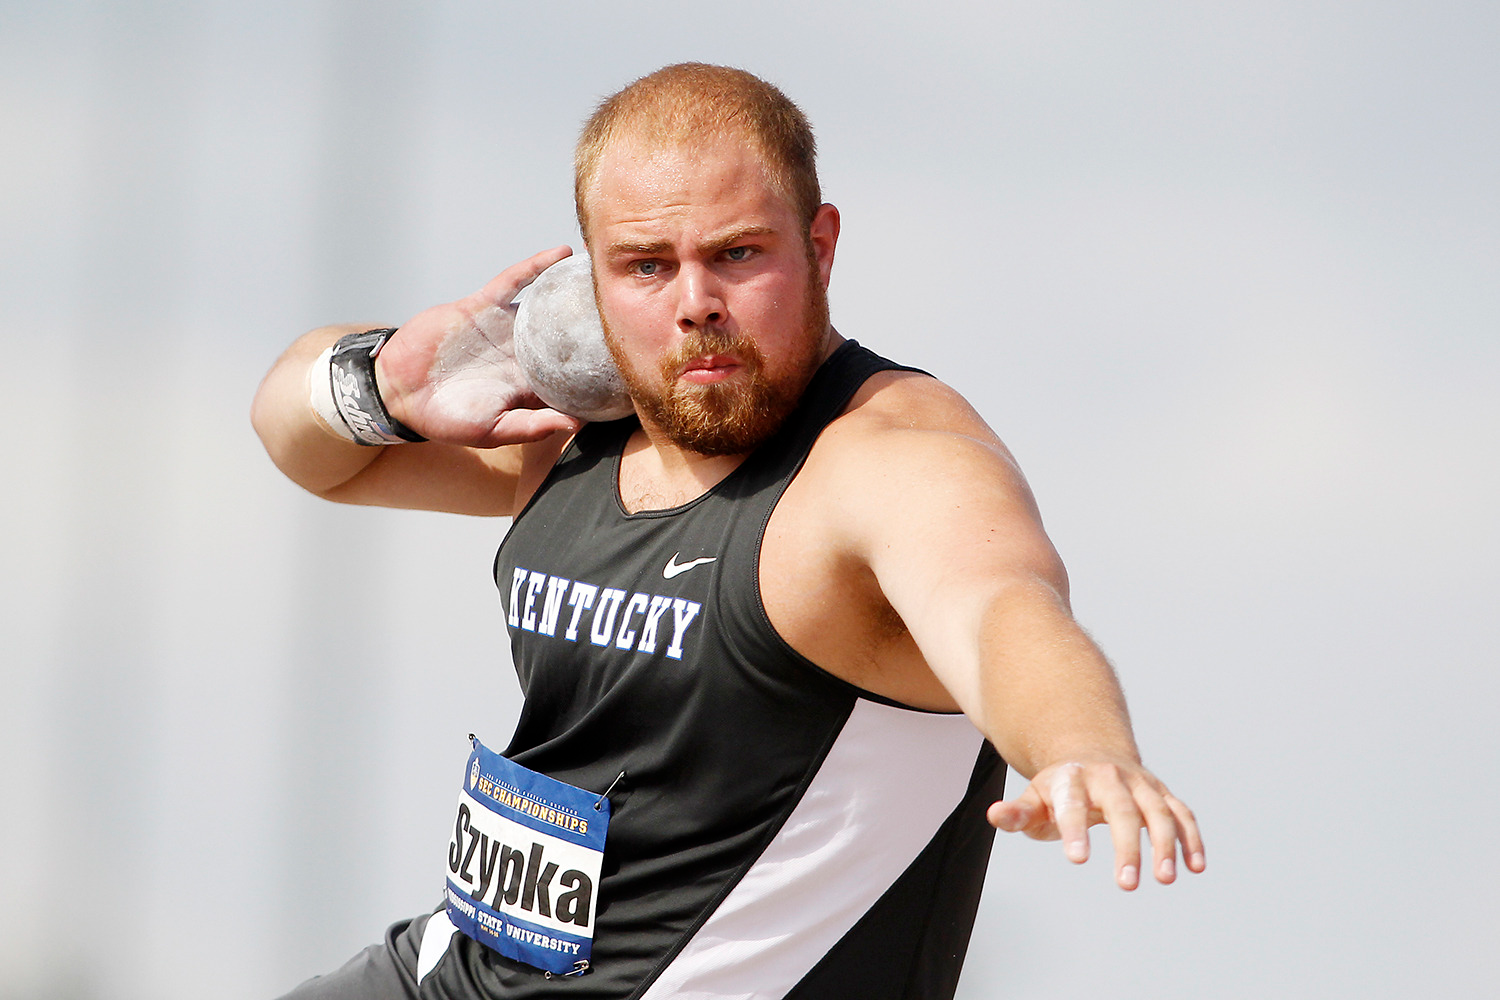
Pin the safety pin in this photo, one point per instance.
(600, 804)
(579, 968)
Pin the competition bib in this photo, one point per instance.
(524, 863)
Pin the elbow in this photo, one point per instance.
(260, 418)
(269, 421)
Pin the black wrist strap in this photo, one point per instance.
(351, 372)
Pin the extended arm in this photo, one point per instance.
(449, 373)
(957, 547)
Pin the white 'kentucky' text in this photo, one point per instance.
(541, 603)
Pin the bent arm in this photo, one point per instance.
(448, 373)
(299, 443)
(428, 476)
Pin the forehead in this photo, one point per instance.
(645, 185)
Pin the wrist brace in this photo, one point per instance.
(346, 397)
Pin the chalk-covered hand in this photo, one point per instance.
(1067, 798)
(450, 372)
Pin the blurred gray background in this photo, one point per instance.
(1225, 276)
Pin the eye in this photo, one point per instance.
(737, 253)
(645, 268)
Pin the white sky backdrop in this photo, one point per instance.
(1225, 276)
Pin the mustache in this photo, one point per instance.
(715, 340)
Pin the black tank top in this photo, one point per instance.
(778, 832)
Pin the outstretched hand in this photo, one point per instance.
(450, 372)
(1065, 799)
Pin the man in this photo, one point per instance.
(748, 617)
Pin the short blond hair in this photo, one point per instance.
(691, 104)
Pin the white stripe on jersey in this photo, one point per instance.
(891, 779)
(436, 937)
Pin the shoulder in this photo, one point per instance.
(900, 423)
(908, 395)
(910, 464)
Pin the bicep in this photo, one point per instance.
(965, 562)
(955, 543)
(953, 523)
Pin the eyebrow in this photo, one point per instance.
(711, 247)
(735, 235)
(631, 247)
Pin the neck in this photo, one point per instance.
(656, 474)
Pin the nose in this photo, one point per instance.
(700, 300)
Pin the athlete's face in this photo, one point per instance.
(713, 300)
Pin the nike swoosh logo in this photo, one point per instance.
(675, 568)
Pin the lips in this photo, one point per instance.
(711, 368)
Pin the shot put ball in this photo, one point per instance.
(560, 346)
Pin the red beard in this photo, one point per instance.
(735, 416)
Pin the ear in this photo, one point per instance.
(823, 235)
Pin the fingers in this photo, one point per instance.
(1192, 839)
(1064, 800)
(520, 426)
(1125, 818)
(1070, 811)
(504, 286)
(1025, 814)
(1161, 828)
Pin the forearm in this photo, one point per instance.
(1042, 691)
(1055, 708)
(300, 444)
